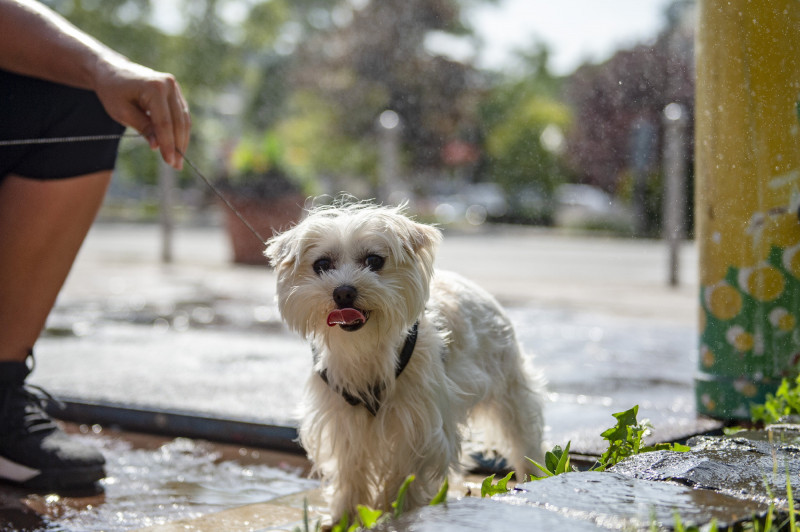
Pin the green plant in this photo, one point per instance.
(679, 526)
(489, 488)
(306, 522)
(368, 518)
(258, 167)
(626, 439)
(555, 462)
(441, 497)
(785, 402)
(400, 501)
(790, 502)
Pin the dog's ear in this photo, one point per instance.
(421, 242)
(281, 249)
(424, 238)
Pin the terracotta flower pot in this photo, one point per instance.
(267, 216)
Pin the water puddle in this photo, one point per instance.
(181, 479)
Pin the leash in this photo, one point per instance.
(221, 196)
(91, 138)
(58, 140)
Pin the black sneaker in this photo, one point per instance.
(34, 452)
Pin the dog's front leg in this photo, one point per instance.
(348, 487)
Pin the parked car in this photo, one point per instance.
(475, 203)
(588, 207)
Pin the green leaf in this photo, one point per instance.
(368, 516)
(503, 483)
(790, 500)
(551, 458)
(563, 462)
(542, 468)
(625, 419)
(400, 502)
(556, 462)
(441, 497)
(786, 401)
(626, 439)
(486, 486)
(680, 448)
(489, 489)
(343, 525)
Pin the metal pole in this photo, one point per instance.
(675, 177)
(641, 147)
(166, 186)
(389, 125)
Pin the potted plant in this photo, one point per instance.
(263, 191)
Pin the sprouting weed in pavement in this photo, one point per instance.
(368, 518)
(678, 525)
(625, 439)
(556, 462)
(490, 488)
(785, 402)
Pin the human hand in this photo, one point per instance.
(150, 102)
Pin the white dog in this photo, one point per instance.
(402, 356)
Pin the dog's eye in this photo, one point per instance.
(322, 265)
(374, 262)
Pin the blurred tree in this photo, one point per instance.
(525, 124)
(314, 148)
(374, 58)
(626, 92)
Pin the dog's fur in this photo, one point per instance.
(466, 362)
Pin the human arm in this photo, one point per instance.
(38, 42)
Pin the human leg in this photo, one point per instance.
(42, 226)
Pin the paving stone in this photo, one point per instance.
(744, 466)
(585, 501)
(620, 502)
(486, 515)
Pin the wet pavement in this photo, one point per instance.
(202, 337)
(721, 482)
(154, 481)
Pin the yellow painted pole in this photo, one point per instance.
(747, 153)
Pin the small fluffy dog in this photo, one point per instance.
(403, 356)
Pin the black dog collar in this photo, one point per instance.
(372, 401)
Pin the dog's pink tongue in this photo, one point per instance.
(345, 316)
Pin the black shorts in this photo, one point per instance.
(31, 108)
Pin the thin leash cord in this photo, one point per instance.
(89, 138)
(223, 198)
(57, 140)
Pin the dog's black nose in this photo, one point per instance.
(345, 296)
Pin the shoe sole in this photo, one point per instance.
(62, 479)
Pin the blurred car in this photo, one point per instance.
(475, 203)
(588, 207)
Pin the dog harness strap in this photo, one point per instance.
(372, 402)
